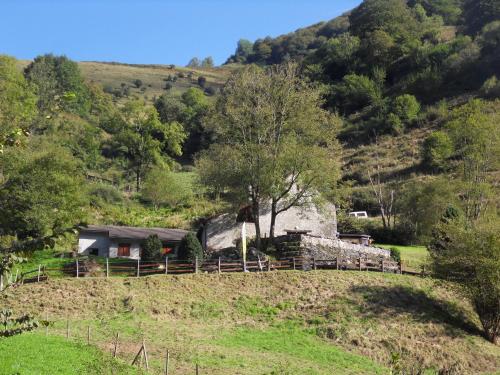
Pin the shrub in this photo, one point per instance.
(101, 193)
(164, 187)
(406, 108)
(395, 254)
(356, 92)
(151, 249)
(108, 89)
(436, 150)
(394, 124)
(491, 88)
(202, 81)
(137, 83)
(168, 86)
(210, 91)
(190, 248)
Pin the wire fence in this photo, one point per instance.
(131, 350)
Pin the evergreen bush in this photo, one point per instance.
(190, 248)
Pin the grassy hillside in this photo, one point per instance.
(37, 354)
(272, 323)
(117, 76)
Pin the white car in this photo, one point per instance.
(359, 214)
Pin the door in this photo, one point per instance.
(124, 250)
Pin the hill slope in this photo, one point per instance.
(120, 79)
(272, 323)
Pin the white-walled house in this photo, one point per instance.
(124, 242)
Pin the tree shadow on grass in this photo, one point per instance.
(387, 302)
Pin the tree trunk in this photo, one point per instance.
(138, 180)
(256, 215)
(273, 221)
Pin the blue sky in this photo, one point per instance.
(151, 31)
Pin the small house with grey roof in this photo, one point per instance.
(124, 242)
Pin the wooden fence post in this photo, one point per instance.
(39, 269)
(197, 370)
(293, 259)
(166, 362)
(88, 335)
(195, 264)
(115, 349)
(337, 263)
(1, 283)
(269, 265)
(166, 265)
(77, 269)
(107, 267)
(401, 268)
(145, 354)
(67, 329)
(138, 267)
(47, 323)
(218, 265)
(314, 263)
(244, 265)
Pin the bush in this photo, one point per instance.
(491, 88)
(202, 81)
(168, 86)
(436, 150)
(406, 108)
(395, 254)
(394, 124)
(210, 91)
(190, 248)
(151, 249)
(164, 187)
(356, 92)
(137, 83)
(101, 193)
(401, 234)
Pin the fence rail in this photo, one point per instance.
(137, 268)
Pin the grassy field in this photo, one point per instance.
(36, 354)
(412, 256)
(319, 322)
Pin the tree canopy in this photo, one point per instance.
(17, 103)
(59, 84)
(143, 140)
(278, 143)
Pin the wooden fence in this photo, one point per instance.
(137, 268)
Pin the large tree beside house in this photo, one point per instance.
(275, 142)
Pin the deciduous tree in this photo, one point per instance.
(17, 103)
(279, 144)
(144, 141)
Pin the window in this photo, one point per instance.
(124, 250)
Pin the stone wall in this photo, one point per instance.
(329, 248)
